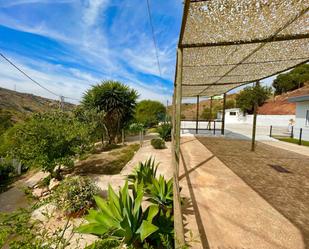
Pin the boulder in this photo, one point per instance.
(38, 192)
(43, 213)
(53, 184)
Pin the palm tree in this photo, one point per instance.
(118, 102)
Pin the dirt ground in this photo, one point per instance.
(106, 162)
(279, 176)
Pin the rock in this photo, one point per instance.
(39, 192)
(53, 184)
(43, 213)
(34, 180)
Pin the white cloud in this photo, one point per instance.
(93, 10)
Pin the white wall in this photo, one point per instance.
(301, 111)
(262, 120)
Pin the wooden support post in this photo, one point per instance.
(255, 107)
(223, 114)
(178, 223)
(197, 112)
(210, 113)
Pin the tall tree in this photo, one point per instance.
(247, 98)
(118, 102)
(292, 80)
(150, 113)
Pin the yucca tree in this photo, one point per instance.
(118, 102)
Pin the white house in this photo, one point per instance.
(236, 116)
(302, 115)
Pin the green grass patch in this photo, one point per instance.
(292, 140)
(107, 163)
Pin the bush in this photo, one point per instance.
(6, 169)
(121, 216)
(46, 140)
(75, 195)
(144, 172)
(165, 131)
(158, 143)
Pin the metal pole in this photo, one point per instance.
(255, 107)
(223, 114)
(292, 131)
(214, 127)
(300, 135)
(197, 112)
(178, 223)
(271, 131)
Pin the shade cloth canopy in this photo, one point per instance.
(229, 43)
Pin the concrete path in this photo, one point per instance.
(163, 157)
(300, 149)
(223, 212)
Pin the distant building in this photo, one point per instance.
(236, 116)
(301, 98)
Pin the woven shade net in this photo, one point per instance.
(229, 43)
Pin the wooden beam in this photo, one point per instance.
(255, 107)
(233, 43)
(223, 114)
(178, 223)
(197, 112)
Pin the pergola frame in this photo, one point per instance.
(227, 44)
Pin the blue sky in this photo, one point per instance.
(68, 45)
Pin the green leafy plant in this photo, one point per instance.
(144, 172)
(157, 143)
(164, 131)
(75, 195)
(122, 216)
(47, 140)
(6, 169)
(161, 192)
(150, 113)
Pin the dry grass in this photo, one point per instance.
(286, 192)
(107, 163)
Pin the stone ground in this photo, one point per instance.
(235, 200)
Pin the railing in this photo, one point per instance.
(201, 125)
(299, 135)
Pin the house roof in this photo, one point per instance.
(300, 95)
(226, 44)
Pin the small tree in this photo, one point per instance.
(247, 98)
(118, 102)
(47, 140)
(5, 121)
(150, 113)
(292, 80)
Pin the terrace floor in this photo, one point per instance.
(242, 199)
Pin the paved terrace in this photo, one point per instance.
(234, 199)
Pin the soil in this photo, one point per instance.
(281, 177)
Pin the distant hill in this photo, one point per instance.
(21, 105)
(188, 110)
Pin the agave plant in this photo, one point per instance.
(161, 192)
(121, 216)
(144, 172)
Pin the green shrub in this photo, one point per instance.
(121, 216)
(6, 170)
(157, 143)
(161, 192)
(144, 172)
(165, 131)
(75, 195)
